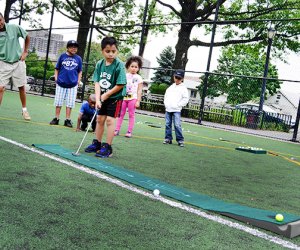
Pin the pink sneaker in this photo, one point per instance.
(116, 133)
(128, 134)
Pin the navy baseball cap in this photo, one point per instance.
(179, 73)
(72, 43)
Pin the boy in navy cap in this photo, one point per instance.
(68, 72)
(176, 97)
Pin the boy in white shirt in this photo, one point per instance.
(176, 97)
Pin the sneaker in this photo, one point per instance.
(167, 141)
(128, 134)
(180, 144)
(105, 151)
(55, 121)
(68, 123)
(94, 147)
(26, 115)
(116, 133)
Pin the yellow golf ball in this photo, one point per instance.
(279, 217)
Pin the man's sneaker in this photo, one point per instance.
(55, 121)
(68, 123)
(128, 134)
(116, 133)
(180, 144)
(94, 147)
(105, 151)
(167, 141)
(26, 115)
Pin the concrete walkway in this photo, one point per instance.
(262, 133)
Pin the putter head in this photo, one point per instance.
(75, 154)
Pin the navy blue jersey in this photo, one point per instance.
(86, 109)
(68, 67)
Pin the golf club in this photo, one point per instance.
(87, 130)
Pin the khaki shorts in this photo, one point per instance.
(15, 72)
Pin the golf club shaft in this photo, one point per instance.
(87, 130)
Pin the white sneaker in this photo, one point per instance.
(26, 116)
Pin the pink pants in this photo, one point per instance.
(130, 104)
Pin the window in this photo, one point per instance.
(193, 93)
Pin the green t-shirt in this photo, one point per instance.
(10, 48)
(110, 76)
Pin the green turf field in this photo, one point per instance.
(48, 205)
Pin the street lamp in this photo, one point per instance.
(271, 34)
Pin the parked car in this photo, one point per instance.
(30, 80)
(255, 107)
(269, 115)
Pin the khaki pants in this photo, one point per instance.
(15, 72)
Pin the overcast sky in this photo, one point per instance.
(197, 56)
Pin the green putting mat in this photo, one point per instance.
(258, 217)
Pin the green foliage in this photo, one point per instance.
(165, 61)
(277, 11)
(286, 32)
(241, 60)
(94, 57)
(162, 88)
(38, 7)
(120, 19)
(35, 67)
(158, 88)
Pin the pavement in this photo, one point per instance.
(284, 136)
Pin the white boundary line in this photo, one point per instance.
(171, 203)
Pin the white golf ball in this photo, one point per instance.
(156, 192)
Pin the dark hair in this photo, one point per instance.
(132, 59)
(108, 40)
(1, 15)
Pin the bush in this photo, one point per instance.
(158, 88)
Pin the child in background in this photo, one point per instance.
(133, 94)
(86, 114)
(68, 71)
(175, 98)
(110, 87)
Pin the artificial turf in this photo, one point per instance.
(46, 204)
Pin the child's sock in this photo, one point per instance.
(24, 109)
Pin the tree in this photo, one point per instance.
(14, 10)
(154, 15)
(113, 17)
(192, 12)
(165, 61)
(35, 67)
(242, 60)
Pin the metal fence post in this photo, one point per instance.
(294, 139)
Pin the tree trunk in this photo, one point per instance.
(82, 34)
(8, 5)
(84, 24)
(147, 28)
(182, 46)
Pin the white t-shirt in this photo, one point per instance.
(133, 81)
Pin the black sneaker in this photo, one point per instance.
(167, 141)
(180, 144)
(94, 147)
(68, 123)
(105, 151)
(55, 121)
